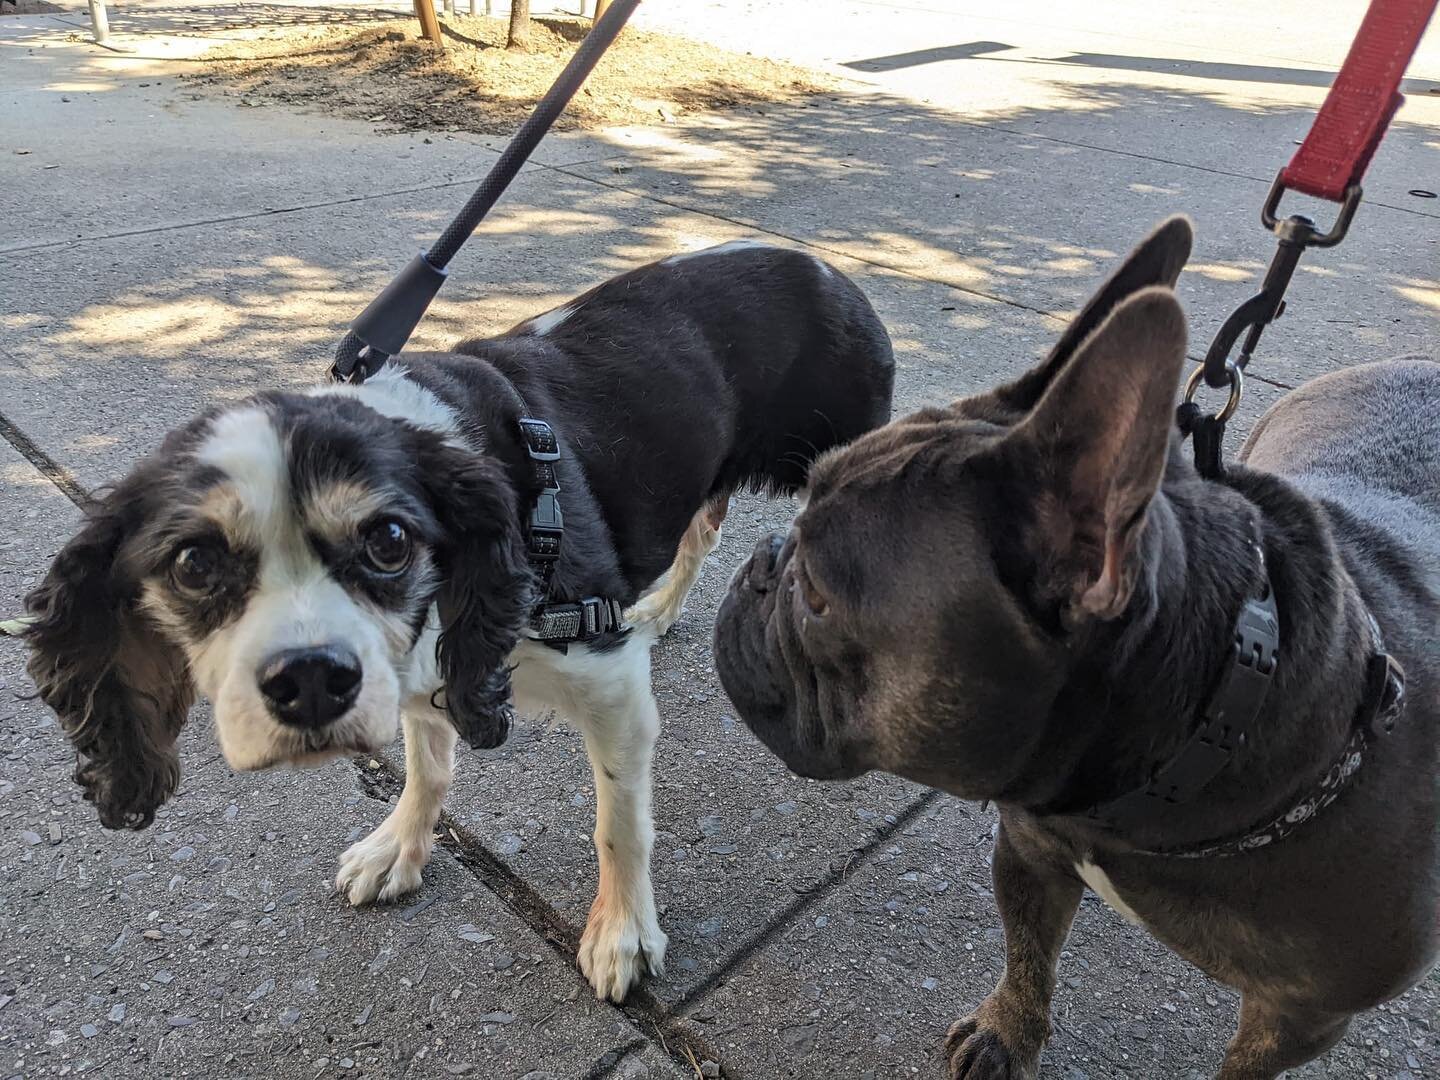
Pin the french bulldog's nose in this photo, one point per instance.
(763, 561)
(309, 687)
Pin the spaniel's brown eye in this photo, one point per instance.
(813, 598)
(197, 568)
(387, 547)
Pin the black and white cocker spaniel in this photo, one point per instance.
(327, 565)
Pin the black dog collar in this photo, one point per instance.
(1229, 720)
(557, 624)
(1378, 714)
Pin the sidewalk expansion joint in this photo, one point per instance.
(797, 907)
(51, 469)
(270, 211)
(612, 1060)
(810, 244)
(649, 1015)
(660, 1023)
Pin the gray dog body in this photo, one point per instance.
(1029, 597)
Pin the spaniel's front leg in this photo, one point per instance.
(387, 863)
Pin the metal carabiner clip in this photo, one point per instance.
(1296, 233)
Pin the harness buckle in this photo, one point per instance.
(547, 527)
(1384, 694)
(540, 441)
(585, 619)
(1232, 713)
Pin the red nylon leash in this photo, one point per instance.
(1361, 103)
(1329, 165)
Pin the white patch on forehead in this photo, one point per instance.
(244, 445)
(541, 325)
(391, 394)
(718, 249)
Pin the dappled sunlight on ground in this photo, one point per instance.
(1002, 204)
(22, 476)
(1226, 271)
(271, 308)
(1426, 293)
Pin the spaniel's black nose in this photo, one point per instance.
(310, 687)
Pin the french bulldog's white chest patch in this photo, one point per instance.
(1101, 885)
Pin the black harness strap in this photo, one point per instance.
(563, 623)
(547, 523)
(1229, 719)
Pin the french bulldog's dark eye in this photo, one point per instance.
(812, 596)
(387, 547)
(197, 568)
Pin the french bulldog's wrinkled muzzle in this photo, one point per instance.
(764, 669)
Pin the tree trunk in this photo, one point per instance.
(429, 23)
(519, 38)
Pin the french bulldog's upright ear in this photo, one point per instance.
(1158, 260)
(1093, 450)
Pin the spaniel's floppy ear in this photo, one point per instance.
(121, 690)
(487, 590)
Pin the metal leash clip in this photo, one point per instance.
(1296, 233)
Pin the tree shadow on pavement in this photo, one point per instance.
(974, 237)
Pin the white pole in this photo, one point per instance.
(99, 21)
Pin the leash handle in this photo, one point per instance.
(383, 328)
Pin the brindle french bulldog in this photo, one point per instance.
(1031, 597)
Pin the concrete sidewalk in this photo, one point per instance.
(162, 250)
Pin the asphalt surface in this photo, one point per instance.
(161, 251)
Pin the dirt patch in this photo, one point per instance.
(28, 7)
(392, 77)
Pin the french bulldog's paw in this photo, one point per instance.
(619, 947)
(383, 867)
(976, 1052)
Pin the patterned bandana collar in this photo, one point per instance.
(1379, 711)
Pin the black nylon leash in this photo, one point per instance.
(383, 328)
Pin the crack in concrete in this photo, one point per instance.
(230, 218)
(611, 1060)
(672, 1031)
(63, 479)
